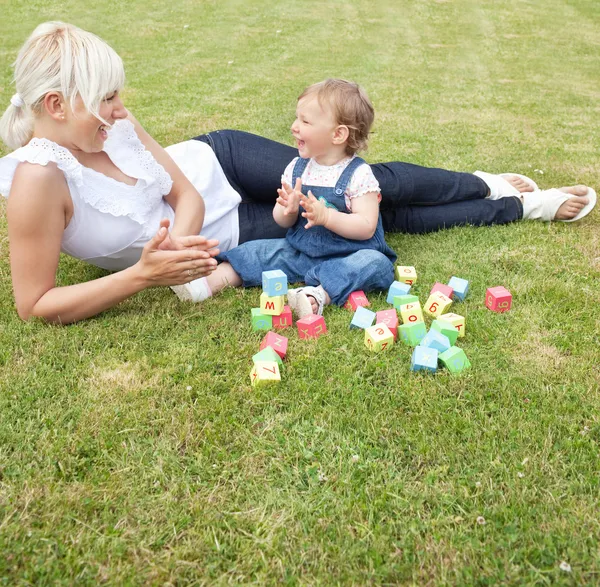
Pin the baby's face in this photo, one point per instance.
(313, 128)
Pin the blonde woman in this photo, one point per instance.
(86, 179)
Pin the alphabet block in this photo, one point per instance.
(397, 289)
(311, 326)
(277, 342)
(435, 340)
(455, 360)
(411, 313)
(356, 299)
(412, 334)
(268, 354)
(445, 289)
(457, 321)
(274, 283)
(498, 299)
(261, 321)
(446, 328)
(390, 319)
(284, 320)
(424, 359)
(362, 318)
(437, 304)
(400, 301)
(406, 274)
(264, 372)
(273, 306)
(378, 338)
(460, 287)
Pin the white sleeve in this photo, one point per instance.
(289, 171)
(363, 182)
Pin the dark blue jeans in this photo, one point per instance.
(414, 199)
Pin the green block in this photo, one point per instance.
(406, 299)
(267, 354)
(455, 360)
(412, 334)
(261, 321)
(446, 329)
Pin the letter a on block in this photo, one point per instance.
(378, 338)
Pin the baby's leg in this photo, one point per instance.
(223, 276)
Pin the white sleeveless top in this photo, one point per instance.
(112, 220)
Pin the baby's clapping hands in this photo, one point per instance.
(289, 197)
(316, 212)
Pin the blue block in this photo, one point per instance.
(424, 359)
(362, 318)
(274, 283)
(397, 289)
(460, 287)
(436, 340)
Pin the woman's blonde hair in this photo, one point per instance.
(59, 57)
(350, 106)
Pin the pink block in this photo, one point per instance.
(390, 319)
(355, 299)
(277, 342)
(441, 287)
(284, 320)
(311, 326)
(498, 299)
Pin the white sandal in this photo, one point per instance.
(194, 291)
(300, 304)
(543, 205)
(500, 187)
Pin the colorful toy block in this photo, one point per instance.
(400, 301)
(445, 328)
(268, 354)
(356, 299)
(445, 289)
(397, 289)
(411, 313)
(457, 321)
(274, 283)
(412, 334)
(271, 305)
(264, 372)
(390, 319)
(406, 274)
(437, 304)
(424, 359)
(455, 360)
(311, 326)
(460, 287)
(277, 342)
(261, 321)
(498, 299)
(362, 318)
(378, 338)
(435, 340)
(284, 320)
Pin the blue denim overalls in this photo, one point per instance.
(319, 241)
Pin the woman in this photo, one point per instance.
(86, 179)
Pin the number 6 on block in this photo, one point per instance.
(437, 304)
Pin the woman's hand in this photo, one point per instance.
(180, 243)
(315, 211)
(289, 197)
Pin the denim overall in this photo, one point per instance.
(316, 255)
(319, 241)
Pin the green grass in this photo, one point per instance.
(132, 448)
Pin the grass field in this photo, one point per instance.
(132, 448)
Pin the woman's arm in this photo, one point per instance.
(38, 209)
(359, 225)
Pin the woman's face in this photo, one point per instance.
(86, 132)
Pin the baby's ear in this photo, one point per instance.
(340, 134)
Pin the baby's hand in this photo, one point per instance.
(315, 212)
(289, 197)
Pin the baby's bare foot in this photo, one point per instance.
(572, 206)
(518, 183)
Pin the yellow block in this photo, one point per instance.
(406, 274)
(272, 306)
(457, 321)
(378, 338)
(264, 372)
(437, 304)
(411, 313)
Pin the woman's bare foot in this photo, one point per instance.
(572, 206)
(518, 183)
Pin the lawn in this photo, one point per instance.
(133, 449)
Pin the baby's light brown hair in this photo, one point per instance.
(350, 106)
